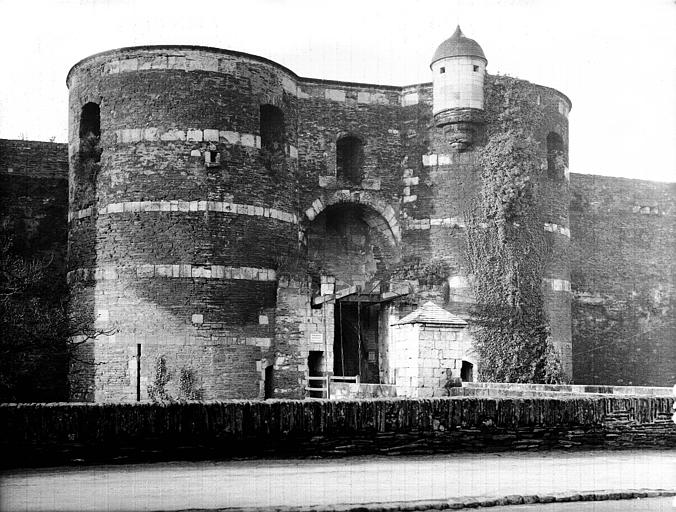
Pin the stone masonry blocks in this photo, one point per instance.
(220, 237)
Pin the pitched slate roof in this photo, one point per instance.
(430, 313)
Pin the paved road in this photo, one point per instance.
(263, 483)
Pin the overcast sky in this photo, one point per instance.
(615, 59)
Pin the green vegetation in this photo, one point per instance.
(506, 246)
(39, 334)
(188, 385)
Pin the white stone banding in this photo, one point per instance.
(187, 206)
(558, 285)
(458, 282)
(457, 222)
(555, 228)
(422, 224)
(192, 271)
(563, 109)
(80, 214)
(433, 160)
(224, 64)
(132, 135)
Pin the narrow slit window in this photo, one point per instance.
(476, 68)
(442, 70)
(555, 153)
(90, 131)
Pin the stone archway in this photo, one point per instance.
(377, 214)
(353, 240)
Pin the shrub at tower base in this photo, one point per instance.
(32, 324)
(37, 332)
(506, 247)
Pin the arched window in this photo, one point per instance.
(350, 158)
(90, 131)
(555, 153)
(272, 129)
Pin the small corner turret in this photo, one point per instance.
(458, 68)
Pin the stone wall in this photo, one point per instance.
(33, 215)
(351, 223)
(34, 195)
(58, 433)
(424, 358)
(623, 275)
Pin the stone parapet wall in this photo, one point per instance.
(34, 159)
(57, 433)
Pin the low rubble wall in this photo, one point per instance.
(51, 433)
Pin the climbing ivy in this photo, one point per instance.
(505, 245)
(432, 272)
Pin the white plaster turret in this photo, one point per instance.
(458, 68)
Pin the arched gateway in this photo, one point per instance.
(352, 246)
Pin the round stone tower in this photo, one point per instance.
(182, 206)
(451, 172)
(458, 69)
(553, 193)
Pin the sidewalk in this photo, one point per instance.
(304, 483)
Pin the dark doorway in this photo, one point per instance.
(467, 372)
(315, 365)
(269, 388)
(355, 345)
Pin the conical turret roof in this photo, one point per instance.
(458, 46)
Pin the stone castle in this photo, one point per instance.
(236, 227)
